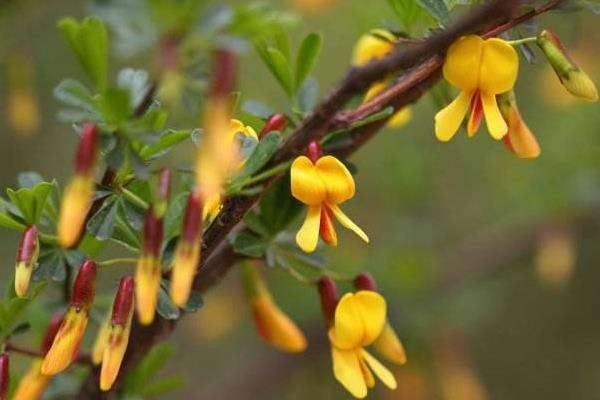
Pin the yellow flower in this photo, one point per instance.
(66, 342)
(33, 384)
(377, 44)
(481, 69)
(77, 200)
(358, 322)
(147, 285)
(519, 139)
(273, 325)
(322, 186)
(101, 339)
(389, 345)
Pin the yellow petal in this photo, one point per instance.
(493, 118)
(147, 283)
(348, 223)
(339, 183)
(211, 207)
(308, 235)
(400, 118)
(66, 342)
(379, 370)
(347, 370)
(367, 374)
(276, 327)
(461, 67)
(372, 308)
(348, 329)
(76, 202)
(448, 119)
(370, 47)
(306, 183)
(102, 338)
(113, 354)
(33, 384)
(185, 263)
(499, 66)
(374, 90)
(388, 345)
(22, 278)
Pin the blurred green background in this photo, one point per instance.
(488, 262)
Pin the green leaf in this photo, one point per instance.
(249, 244)
(102, 224)
(6, 221)
(89, 41)
(261, 155)
(278, 65)
(307, 57)
(12, 308)
(115, 106)
(164, 143)
(30, 201)
(165, 306)
(161, 386)
(147, 368)
(195, 302)
(407, 11)
(174, 215)
(75, 94)
(436, 8)
(277, 206)
(255, 224)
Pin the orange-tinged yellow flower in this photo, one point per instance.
(358, 322)
(273, 325)
(147, 273)
(519, 139)
(101, 339)
(322, 186)
(33, 384)
(481, 69)
(374, 45)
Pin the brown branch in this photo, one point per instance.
(218, 256)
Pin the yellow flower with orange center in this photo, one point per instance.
(322, 185)
(481, 69)
(359, 320)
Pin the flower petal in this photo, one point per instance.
(339, 182)
(448, 119)
(371, 308)
(493, 118)
(308, 235)
(499, 66)
(400, 118)
(367, 374)
(347, 222)
(306, 183)
(370, 47)
(461, 67)
(348, 329)
(382, 372)
(346, 369)
(389, 346)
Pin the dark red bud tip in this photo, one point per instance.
(164, 184)
(329, 298)
(314, 151)
(51, 331)
(87, 150)
(276, 122)
(84, 287)
(192, 220)
(224, 72)
(153, 234)
(28, 244)
(365, 281)
(4, 375)
(123, 301)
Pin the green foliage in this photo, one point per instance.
(31, 201)
(13, 307)
(307, 57)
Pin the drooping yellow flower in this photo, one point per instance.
(374, 45)
(481, 69)
(322, 186)
(519, 139)
(358, 322)
(33, 384)
(273, 325)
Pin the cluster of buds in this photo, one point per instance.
(77, 198)
(117, 337)
(26, 260)
(273, 325)
(66, 342)
(187, 253)
(148, 271)
(34, 383)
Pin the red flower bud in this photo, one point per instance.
(365, 281)
(329, 298)
(28, 245)
(164, 184)
(123, 301)
(51, 331)
(276, 122)
(4, 376)
(314, 151)
(192, 220)
(85, 158)
(26, 260)
(84, 286)
(224, 72)
(153, 234)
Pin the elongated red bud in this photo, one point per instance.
(84, 286)
(26, 260)
(329, 298)
(4, 375)
(365, 281)
(224, 73)
(192, 220)
(276, 122)
(51, 331)
(87, 151)
(153, 234)
(164, 192)
(123, 301)
(314, 151)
